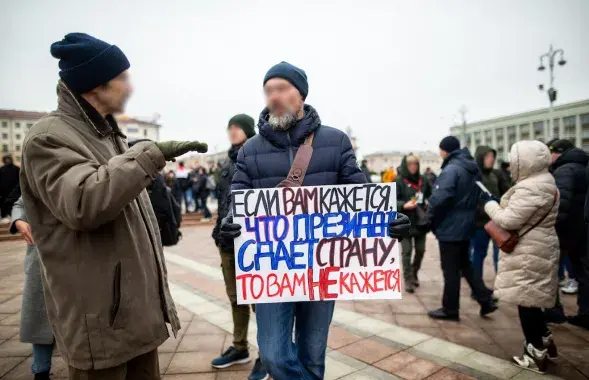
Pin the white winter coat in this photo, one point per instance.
(528, 276)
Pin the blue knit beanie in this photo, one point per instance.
(297, 77)
(87, 62)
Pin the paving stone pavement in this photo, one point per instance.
(368, 339)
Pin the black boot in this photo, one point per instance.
(488, 308)
(444, 315)
(415, 278)
(550, 346)
(42, 376)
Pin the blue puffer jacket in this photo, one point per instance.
(453, 204)
(265, 160)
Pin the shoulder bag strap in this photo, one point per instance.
(541, 219)
(300, 164)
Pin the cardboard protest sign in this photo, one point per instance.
(316, 243)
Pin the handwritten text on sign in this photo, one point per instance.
(316, 243)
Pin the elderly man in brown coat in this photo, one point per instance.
(105, 278)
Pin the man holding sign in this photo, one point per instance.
(294, 149)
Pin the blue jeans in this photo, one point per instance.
(305, 357)
(565, 264)
(188, 198)
(42, 358)
(479, 246)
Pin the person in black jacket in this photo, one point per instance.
(240, 128)
(9, 174)
(569, 171)
(494, 181)
(452, 212)
(413, 191)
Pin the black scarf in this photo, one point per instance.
(233, 152)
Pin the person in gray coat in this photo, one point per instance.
(34, 323)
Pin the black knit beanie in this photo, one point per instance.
(87, 62)
(245, 122)
(449, 144)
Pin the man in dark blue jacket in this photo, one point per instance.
(452, 211)
(263, 162)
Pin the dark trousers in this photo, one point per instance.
(144, 367)
(533, 325)
(455, 260)
(409, 268)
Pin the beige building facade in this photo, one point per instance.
(570, 121)
(15, 124)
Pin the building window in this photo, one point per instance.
(488, 137)
(17, 125)
(5, 136)
(4, 148)
(524, 132)
(132, 130)
(539, 130)
(29, 125)
(570, 126)
(585, 129)
(17, 148)
(145, 133)
(499, 133)
(17, 159)
(4, 124)
(17, 136)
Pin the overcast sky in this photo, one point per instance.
(395, 71)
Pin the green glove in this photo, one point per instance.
(173, 149)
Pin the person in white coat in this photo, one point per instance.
(528, 277)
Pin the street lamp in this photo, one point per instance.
(549, 57)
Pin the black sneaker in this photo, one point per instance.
(443, 315)
(550, 347)
(488, 308)
(231, 357)
(259, 372)
(42, 376)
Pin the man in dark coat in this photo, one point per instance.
(496, 184)
(240, 128)
(263, 162)
(9, 174)
(452, 211)
(569, 171)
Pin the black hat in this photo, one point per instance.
(244, 122)
(560, 146)
(87, 62)
(449, 144)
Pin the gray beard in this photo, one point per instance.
(282, 123)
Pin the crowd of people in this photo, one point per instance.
(96, 212)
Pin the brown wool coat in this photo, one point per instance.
(528, 275)
(105, 278)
